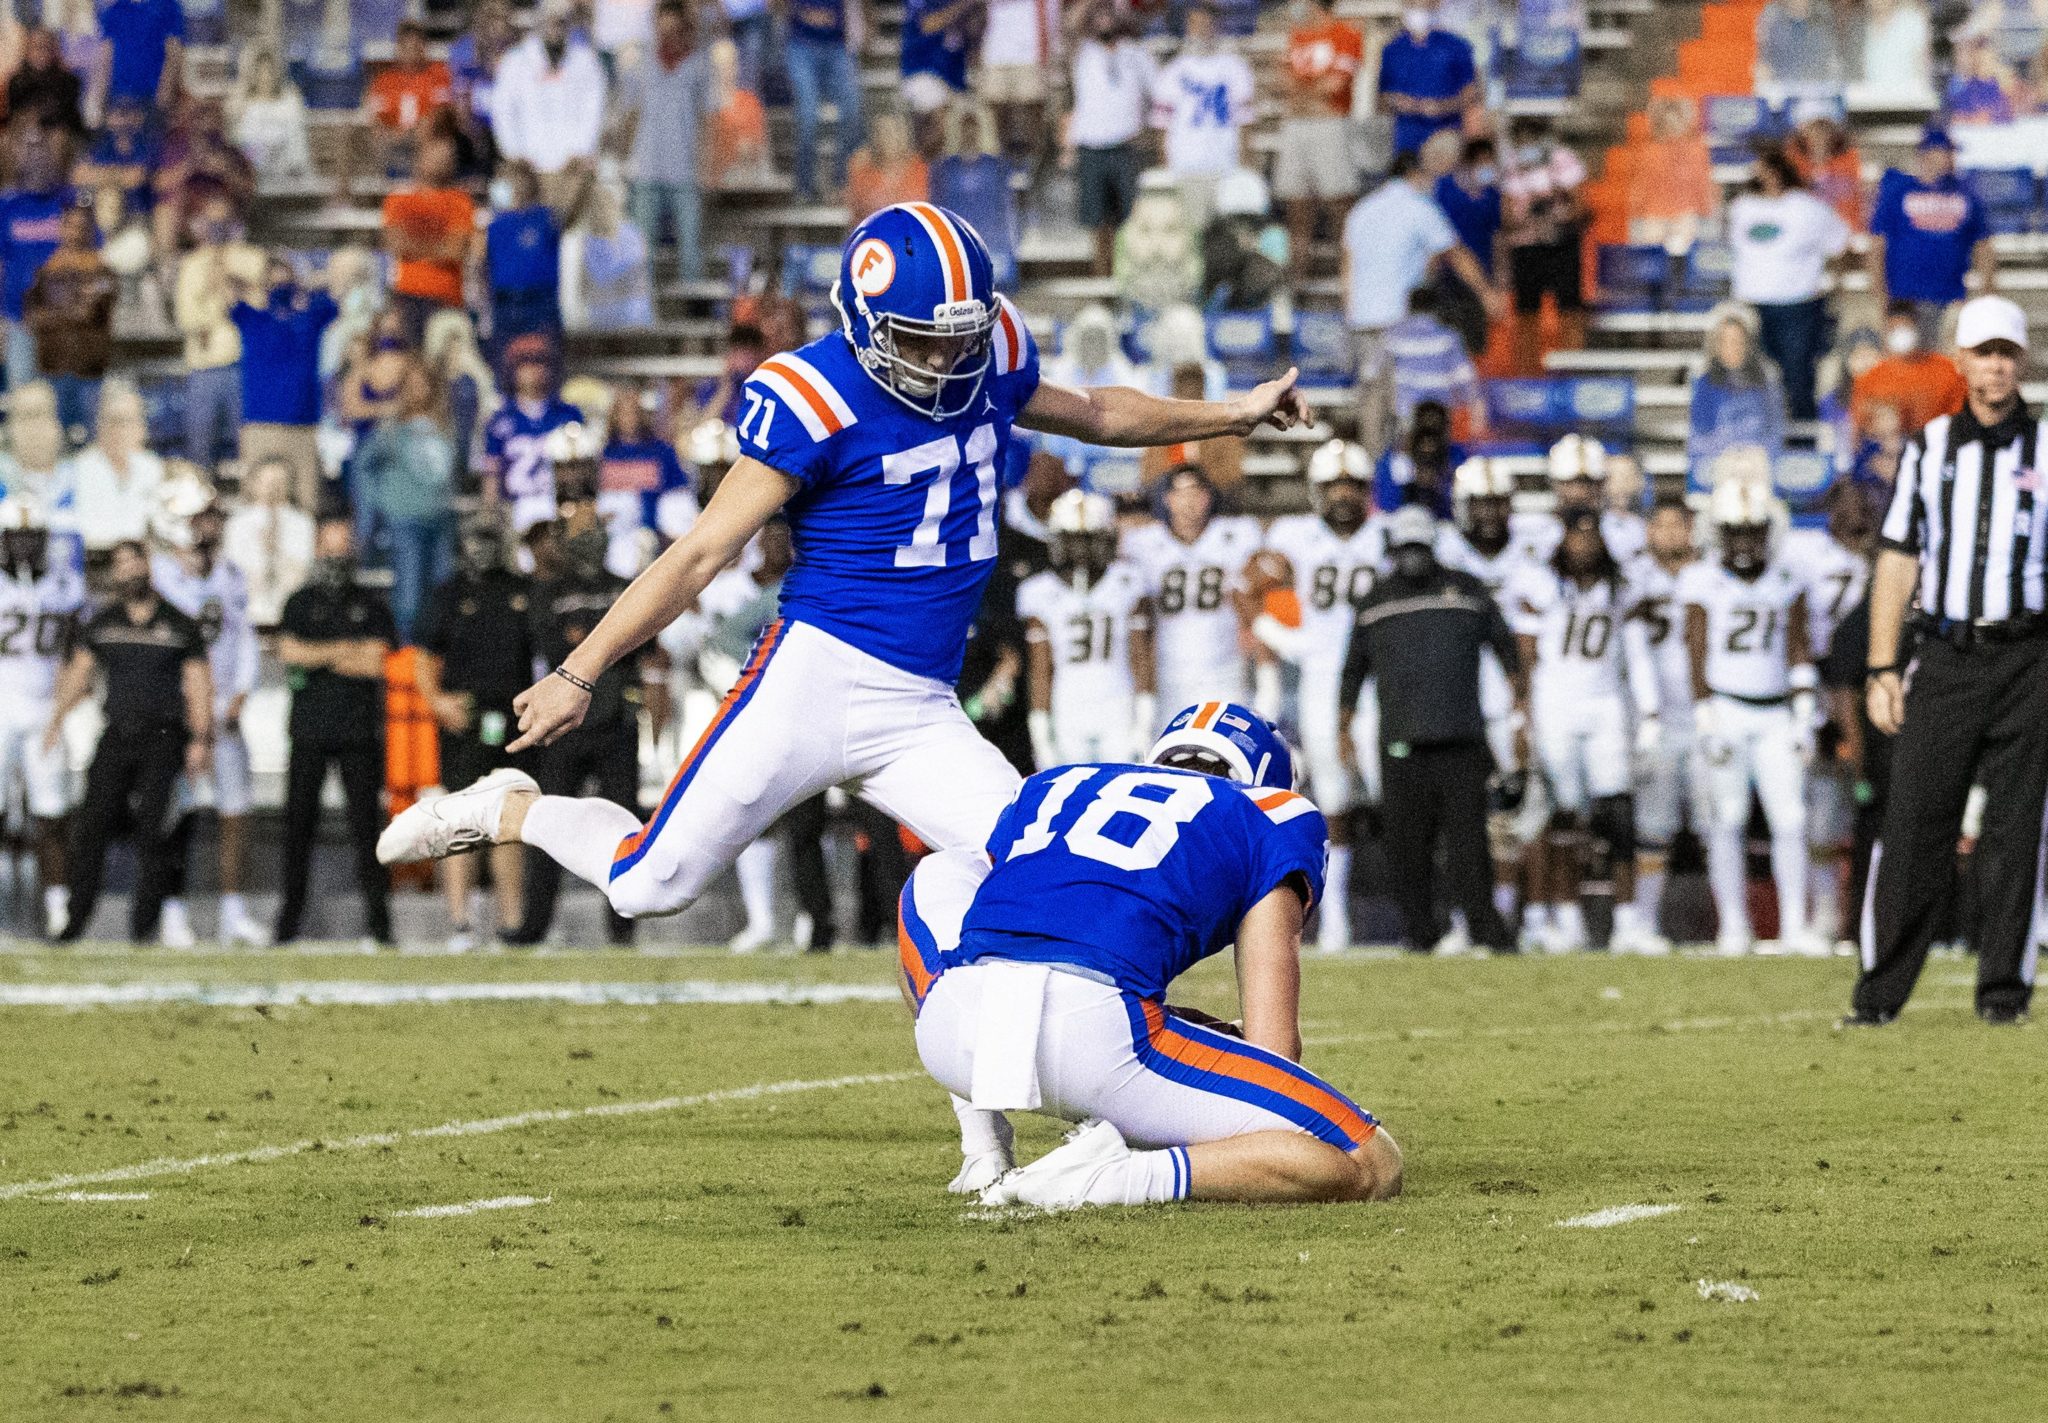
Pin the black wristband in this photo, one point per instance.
(575, 681)
(1889, 667)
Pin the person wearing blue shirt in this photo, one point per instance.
(1428, 78)
(823, 66)
(281, 328)
(30, 218)
(145, 42)
(516, 440)
(973, 180)
(1470, 197)
(1929, 230)
(935, 43)
(1038, 977)
(641, 482)
(1738, 398)
(523, 258)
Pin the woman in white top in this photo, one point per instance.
(269, 540)
(1784, 238)
(267, 116)
(116, 476)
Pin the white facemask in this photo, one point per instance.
(1902, 340)
(1417, 21)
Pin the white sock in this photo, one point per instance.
(756, 870)
(1336, 907)
(233, 906)
(1824, 898)
(57, 896)
(1141, 1177)
(1571, 920)
(1504, 899)
(1789, 863)
(1649, 891)
(1725, 874)
(580, 835)
(982, 1132)
(1535, 918)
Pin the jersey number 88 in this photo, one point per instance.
(1173, 590)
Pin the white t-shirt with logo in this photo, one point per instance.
(1112, 93)
(1203, 100)
(1782, 246)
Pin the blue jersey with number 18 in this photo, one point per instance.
(895, 526)
(1135, 873)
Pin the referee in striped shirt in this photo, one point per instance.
(1961, 568)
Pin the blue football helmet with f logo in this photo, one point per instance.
(915, 281)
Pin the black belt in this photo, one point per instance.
(1966, 633)
(1778, 701)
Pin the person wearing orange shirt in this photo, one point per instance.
(405, 94)
(736, 145)
(885, 169)
(429, 227)
(1671, 189)
(1313, 172)
(1918, 383)
(1830, 165)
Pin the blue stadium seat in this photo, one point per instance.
(809, 269)
(1246, 344)
(1526, 416)
(2011, 197)
(1545, 64)
(1632, 278)
(1802, 478)
(1732, 123)
(1709, 272)
(329, 88)
(1322, 350)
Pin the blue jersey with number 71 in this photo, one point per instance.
(1135, 873)
(895, 526)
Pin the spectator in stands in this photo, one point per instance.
(1928, 230)
(1898, 51)
(1203, 100)
(335, 635)
(642, 485)
(1829, 163)
(1738, 397)
(1244, 252)
(1105, 134)
(457, 367)
(122, 161)
(663, 102)
(750, 26)
(1090, 354)
(1981, 89)
(70, 307)
(886, 169)
(936, 38)
(1158, 261)
(1672, 195)
(31, 214)
(1430, 364)
(32, 467)
(76, 23)
(115, 478)
(1017, 44)
(1416, 469)
(1784, 237)
(547, 105)
(777, 316)
(1470, 196)
(523, 254)
(823, 66)
(1313, 172)
(209, 281)
(144, 54)
(972, 178)
(607, 271)
(520, 472)
(1859, 349)
(1798, 51)
(382, 376)
(43, 88)
(473, 58)
(1428, 78)
(1393, 239)
(745, 348)
(736, 153)
(268, 539)
(620, 29)
(281, 323)
(1544, 230)
(267, 116)
(429, 228)
(403, 96)
(1916, 379)
(404, 477)
(199, 166)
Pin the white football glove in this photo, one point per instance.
(1043, 751)
(1804, 725)
(1706, 730)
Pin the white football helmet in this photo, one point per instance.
(1082, 524)
(1339, 459)
(1482, 477)
(574, 443)
(1577, 457)
(712, 444)
(1081, 511)
(180, 499)
(1747, 517)
(18, 516)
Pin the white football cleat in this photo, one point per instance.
(237, 927)
(56, 910)
(980, 1171)
(1732, 944)
(1062, 1178)
(461, 820)
(1633, 936)
(752, 938)
(174, 926)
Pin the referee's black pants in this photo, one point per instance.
(607, 756)
(803, 831)
(135, 768)
(1975, 715)
(361, 765)
(1431, 795)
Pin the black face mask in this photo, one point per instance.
(1414, 561)
(132, 590)
(335, 570)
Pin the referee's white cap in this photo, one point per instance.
(1990, 318)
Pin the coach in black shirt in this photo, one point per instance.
(1419, 634)
(1962, 566)
(334, 638)
(159, 713)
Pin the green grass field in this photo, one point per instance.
(791, 1254)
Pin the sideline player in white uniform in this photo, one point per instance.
(1669, 785)
(188, 524)
(882, 444)
(1753, 684)
(39, 607)
(1591, 684)
(1193, 563)
(1577, 470)
(1088, 633)
(1039, 984)
(1833, 564)
(1332, 558)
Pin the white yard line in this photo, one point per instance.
(184, 1166)
(495, 1203)
(1727, 1290)
(1615, 1215)
(1531, 1030)
(370, 993)
(94, 1197)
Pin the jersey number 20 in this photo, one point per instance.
(1184, 799)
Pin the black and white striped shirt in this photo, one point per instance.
(1982, 541)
